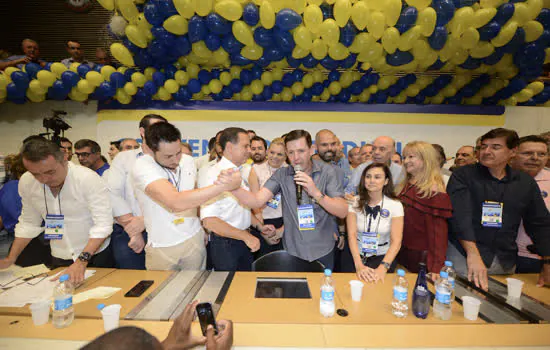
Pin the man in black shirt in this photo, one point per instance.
(489, 200)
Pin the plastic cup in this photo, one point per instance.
(471, 307)
(111, 315)
(514, 288)
(356, 290)
(40, 312)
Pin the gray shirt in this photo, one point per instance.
(312, 244)
(397, 174)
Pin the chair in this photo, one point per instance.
(281, 261)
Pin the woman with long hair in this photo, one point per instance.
(427, 208)
(375, 224)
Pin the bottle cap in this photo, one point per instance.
(444, 274)
(448, 263)
(64, 278)
(328, 272)
(400, 272)
(100, 306)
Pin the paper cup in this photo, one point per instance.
(111, 315)
(356, 290)
(514, 287)
(471, 307)
(40, 312)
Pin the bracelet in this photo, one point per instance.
(320, 197)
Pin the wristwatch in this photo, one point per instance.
(85, 257)
(546, 261)
(385, 264)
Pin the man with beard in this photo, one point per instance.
(490, 199)
(258, 147)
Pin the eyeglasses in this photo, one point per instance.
(82, 154)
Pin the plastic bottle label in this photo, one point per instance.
(443, 296)
(452, 282)
(327, 296)
(400, 293)
(62, 304)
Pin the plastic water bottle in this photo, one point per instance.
(400, 306)
(327, 305)
(421, 295)
(443, 297)
(63, 311)
(450, 272)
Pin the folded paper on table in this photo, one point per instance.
(96, 293)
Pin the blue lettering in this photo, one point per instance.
(204, 147)
(194, 144)
(348, 145)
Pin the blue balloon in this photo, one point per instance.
(288, 79)
(194, 86)
(277, 86)
(83, 69)
(165, 37)
(409, 79)
(267, 93)
(287, 19)
(399, 58)
(442, 81)
(182, 46)
(334, 75)
(159, 79)
(213, 42)
(293, 62)
(381, 97)
(407, 19)
(273, 54)
(419, 99)
(227, 92)
(14, 92)
(438, 38)
(118, 81)
(166, 8)
(251, 14)
(156, 49)
(143, 59)
(306, 95)
(544, 39)
(393, 91)
(68, 77)
(150, 88)
(516, 42)
(542, 97)
(182, 95)
(544, 18)
(21, 80)
(130, 46)
(402, 28)
(215, 73)
(454, 100)
(284, 40)
(231, 45)
(236, 86)
(204, 76)
(504, 13)
(141, 97)
(329, 63)
(257, 98)
(246, 76)
(256, 73)
(489, 31)
(264, 37)
(445, 10)
(217, 24)
(494, 58)
(326, 9)
(468, 91)
(217, 97)
(196, 29)
(32, 69)
(529, 102)
(317, 89)
(60, 89)
(128, 73)
(347, 34)
(309, 61)
(298, 74)
(240, 60)
(152, 14)
(356, 88)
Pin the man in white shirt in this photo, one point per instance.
(231, 243)
(74, 203)
(128, 232)
(164, 182)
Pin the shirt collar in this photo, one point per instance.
(543, 175)
(510, 173)
(225, 163)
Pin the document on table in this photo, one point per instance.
(16, 275)
(95, 293)
(37, 289)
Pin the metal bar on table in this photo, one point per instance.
(136, 310)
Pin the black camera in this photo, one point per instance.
(56, 124)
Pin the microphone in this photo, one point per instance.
(298, 168)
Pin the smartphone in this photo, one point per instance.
(139, 289)
(206, 317)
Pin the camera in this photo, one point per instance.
(56, 124)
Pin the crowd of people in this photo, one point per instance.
(153, 206)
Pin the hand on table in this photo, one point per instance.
(365, 273)
(544, 277)
(76, 272)
(5, 263)
(477, 271)
(380, 273)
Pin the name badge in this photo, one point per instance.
(55, 226)
(306, 219)
(178, 221)
(275, 201)
(491, 214)
(369, 243)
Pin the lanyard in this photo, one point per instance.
(173, 177)
(46, 202)
(367, 229)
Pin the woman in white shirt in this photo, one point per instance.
(375, 224)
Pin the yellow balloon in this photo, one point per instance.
(534, 7)
(56, 67)
(252, 52)
(371, 53)
(482, 49)
(338, 51)
(420, 49)
(128, 10)
(490, 3)
(235, 72)
(243, 33)
(361, 42)
(148, 72)
(76, 95)
(136, 36)
(122, 69)
(342, 12)
(407, 40)
(277, 73)
(276, 97)
(512, 101)
(313, 17)
(376, 23)
(319, 49)
(419, 4)
(547, 59)
(390, 39)
(483, 16)
(107, 4)
(267, 78)
(73, 67)
(521, 13)
(32, 96)
(318, 76)
(335, 88)
(4, 81)
(359, 14)
(228, 9)
(193, 70)
(45, 78)
(278, 5)
(298, 6)
(506, 33)
(138, 79)
(299, 52)
(200, 49)
(198, 96)
(256, 87)
(533, 30)
(286, 95)
(181, 77)
(461, 20)
(307, 80)
(106, 71)
(186, 8)
(303, 38)
(85, 87)
(221, 57)
(426, 20)
(122, 54)
(267, 15)
(459, 56)
(392, 11)
(364, 96)
(203, 7)
(346, 79)
(246, 93)
(469, 38)
(171, 86)
(330, 33)
(524, 95)
(36, 87)
(205, 90)
(536, 87)
(162, 94)
(130, 89)
(176, 24)
(325, 95)
(215, 86)
(412, 90)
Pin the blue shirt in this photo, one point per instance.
(10, 204)
(101, 170)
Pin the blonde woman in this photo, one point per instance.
(427, 208)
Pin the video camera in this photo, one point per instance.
(57, 125)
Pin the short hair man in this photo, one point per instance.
(546, 136)
(164, 180)
(251, 133)
(366, 153)
(89, 155)
(129, 234)
(354, 157)
(74, 203)
(397, 159)
(31, 53)
(76, 53)
(129, 144)
(531, 158)
(67, 148)
(308, 221)
(225, 217)
(102, 56)
(490, 199)
(258, 149)
(464, 156)
(114, 149)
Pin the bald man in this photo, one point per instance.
(465, 156)
(382, 150)
(31, 53)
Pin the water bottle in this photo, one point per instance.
(63, 311)
(450, 272)
(400, 306)
(443, 297)
(421, 295)
(327, 305)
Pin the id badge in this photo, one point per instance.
(306, 219)
(369, 243)
(178, 221)
(55, 226)
(491, 214)
(275, 201)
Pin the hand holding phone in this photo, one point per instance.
(206, 317)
